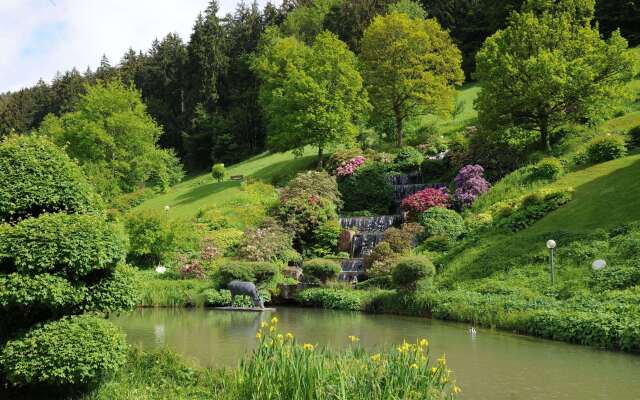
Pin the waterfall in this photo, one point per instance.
(370, 230)
(351, 268)
(368, 224)
(363, 243)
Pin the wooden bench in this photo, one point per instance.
(237, 177)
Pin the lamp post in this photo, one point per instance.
(551, 245)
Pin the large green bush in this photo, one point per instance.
(269, 242)
(155, 238)
(321, 269)
(409, 159)
(310, 184)
(73, 245)
(73, 351)
(236, 271)
(547, 169)
(409, 270)
(438, 221)
(304, 216)
(368, 189)
(36, 176)
(606, 148)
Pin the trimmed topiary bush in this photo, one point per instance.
(218, 172)
(237, 271)
(547, 169)
(321, 269)
(368, 189)
(438, 221)
(73, 351)
(73, 245)
(409, 270)
(409, 159)
(606, 148)
(36, 177)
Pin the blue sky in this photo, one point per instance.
(40, 37)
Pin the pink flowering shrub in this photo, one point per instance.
(191, 268)
(347, 168)
(426, 199)
(470, 184)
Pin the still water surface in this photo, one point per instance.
(490, 366)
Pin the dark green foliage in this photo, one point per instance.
(409, 270)
(634, 136)
(337, 299)
(321, 269)
(441, 222)
(308, 209)
(606, 148)
(535, 206)
(264, 272)
(117, 291)
(368, 189)
(437, 243)
(620, 14)
(36, 176)
(237, 271)
(261, 273)
(547, 169)
(409, 159)
(45, 295)
(403, 239)
(73, 246)
(378, 282)
(381, 260)
(74, 351)
(616, 277)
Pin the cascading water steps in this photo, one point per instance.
(369, 231)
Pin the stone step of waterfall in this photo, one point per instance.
(363, 244)
(405, 179)
(368, 224)
(350, 268)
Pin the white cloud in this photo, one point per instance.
(40, 37)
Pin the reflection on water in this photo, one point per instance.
(489, 365)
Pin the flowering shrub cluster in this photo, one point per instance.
(269, 242)
(426, 199)
(470, 184)
(347, 168)
(191, 268)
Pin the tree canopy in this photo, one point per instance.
(411, 67)
(311, 95)
(548, 67)
(114, 139)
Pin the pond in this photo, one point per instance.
(490, 366)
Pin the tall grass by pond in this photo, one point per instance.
(282, 368)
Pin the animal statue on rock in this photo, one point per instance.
(245, 288)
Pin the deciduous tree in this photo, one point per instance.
(548, 67)
(411, 67)
(312, 95)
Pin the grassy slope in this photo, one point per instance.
(606, 195)
(202, 191)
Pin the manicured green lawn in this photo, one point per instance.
(202, 191)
